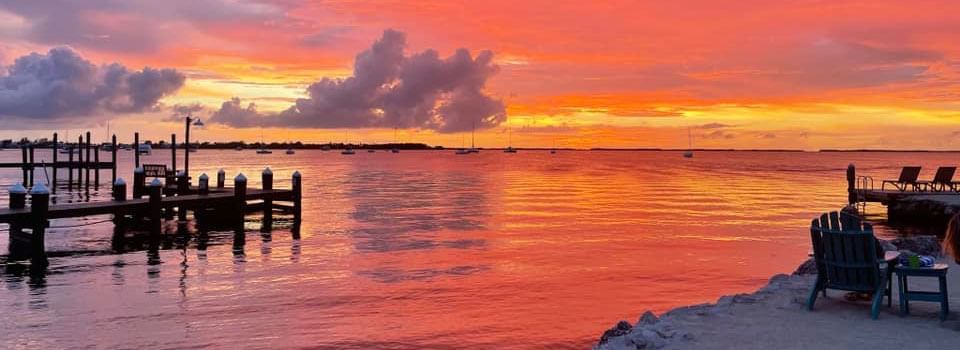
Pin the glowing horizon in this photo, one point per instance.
(750, 75)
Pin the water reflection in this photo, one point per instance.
(460, 252)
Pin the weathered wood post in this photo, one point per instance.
(18, 200)
(119, 220)
(32, 166)
(204, 184)
(221, 178)
(39, 208)
(173, 153)
(113, 158)
(55, 149)
(200, 213)
(136, 150)
(240, 197)
(70, 168)
(156, 194)
(139, 182)
(297, 184)
(182, 189)
(267, 223)
(119, 190)
(79, 162)
(851, 184)
(23, 164)
(86, 170)
(96, 169)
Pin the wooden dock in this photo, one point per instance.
(928, 209)
(216, 207)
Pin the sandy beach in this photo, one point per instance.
(775, 317)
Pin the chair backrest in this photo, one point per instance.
(845, 251)
(944, 174)
(909, 174)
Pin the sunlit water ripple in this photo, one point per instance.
(427, 249)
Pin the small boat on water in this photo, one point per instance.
(290, 151)
(371, 151)
(553, 151)
(509, 150)
(239, 148)
(394, 150)
(264, 151)
(348, 151)
(145, 149)
(689, 152)
(325, 148)
(462, 151)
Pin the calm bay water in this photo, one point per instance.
(427, 249)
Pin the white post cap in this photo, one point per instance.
(156, 183)
(119, 181)
(267, 171)
(204, 177)
(139, 169)
(240, 177)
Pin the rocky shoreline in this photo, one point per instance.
(672, 329)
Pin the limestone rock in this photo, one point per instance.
(923, 245)
(808, 267)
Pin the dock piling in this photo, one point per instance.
(32, 167)
(156, 192)
(183, 188)
(297, 189)
(54, 152)
(39, 207)
(851, 184)
(240, 196)
(113, 159)
(119, 226)
(70, 169)
(221, 178)
(119, 190)
(267, 223)
(136, 150)
(23, 156)
(86, 169)
(204, 184)
(139, 182)
(18, 243)
(96, 160)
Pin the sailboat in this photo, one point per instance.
(689, 152)
(66, 149)
(509, 148)
(462, 150)
(291, 151)
(473, 147)
(263, 147)
(349, 150)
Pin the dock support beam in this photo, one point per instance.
(156, 192)
(119, 217)
(240, 196)
(267, 223)
(18, 242)
(55, 149)
(113, 159)
(136, 150)
(182, 190)
(86, 170)
(39, 207)
(96, 170)
(297, 185)
(851, 184)
(221, 178)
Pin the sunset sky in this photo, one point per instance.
(745, 74)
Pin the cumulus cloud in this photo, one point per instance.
(62, 84)
(390, 89)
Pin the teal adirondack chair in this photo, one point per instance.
(848, 258)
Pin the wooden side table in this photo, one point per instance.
(906, 295)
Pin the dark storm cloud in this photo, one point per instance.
(390, 89)
(124, 25)
(61, 84)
